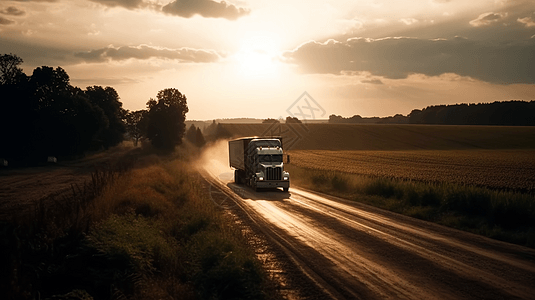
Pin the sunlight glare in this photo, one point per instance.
(257, 57)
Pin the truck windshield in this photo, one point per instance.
(270, 158)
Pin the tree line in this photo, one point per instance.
(505, 113)
(43, 115)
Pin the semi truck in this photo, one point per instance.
(257, 162)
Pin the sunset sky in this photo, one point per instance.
(252, 58)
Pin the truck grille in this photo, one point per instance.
(274, 173)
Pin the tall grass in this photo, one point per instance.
(502, 215)
(144, 232)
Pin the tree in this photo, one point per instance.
(9, 69)
(191, 134)
(269, 121)
(221, 132)
(195, 136)
(108, 100)
(210, 130)
(199, 138)
(166, 119)
(136, 124)
(292, 120)
(49, 86)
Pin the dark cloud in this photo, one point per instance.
(205, 8)
(146, 52)
(12, 11)
(4, 21)
(396, 58)
(130, 4)
(184, 8)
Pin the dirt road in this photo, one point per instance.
(353, 251)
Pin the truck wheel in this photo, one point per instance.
(285, 189)
(236, 177)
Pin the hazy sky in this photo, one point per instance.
(252, 58)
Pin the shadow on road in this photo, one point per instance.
(247, 193)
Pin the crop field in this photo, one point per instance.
(497, 169)
(498, 157)
(391, 137)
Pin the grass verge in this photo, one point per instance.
(501, 215)
(146, 232)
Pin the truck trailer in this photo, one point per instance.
(257, 162)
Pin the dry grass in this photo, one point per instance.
(150, 232)
(497, 169)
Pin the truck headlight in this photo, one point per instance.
(285, 177)
(260, 178)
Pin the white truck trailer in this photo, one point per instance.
(257, 162)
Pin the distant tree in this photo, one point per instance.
(292, 120)
(10, 72)
(166, 118)
(191, 134)
(210, 130)
(199, 138)
(509, 113)
(269, 121)
(222, 132)
(136, 124)
(108, 100)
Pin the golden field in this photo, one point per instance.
(391, 137)
(499, 157)
(497, 169)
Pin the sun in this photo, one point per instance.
(258, 57)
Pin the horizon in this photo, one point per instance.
(246, 58)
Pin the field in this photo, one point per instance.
(498, 157)
(339, 137)
(496, 169)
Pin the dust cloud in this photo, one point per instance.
(215, 160)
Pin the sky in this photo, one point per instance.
(258, 59)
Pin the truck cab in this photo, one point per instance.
(269, 168)
(258, 163)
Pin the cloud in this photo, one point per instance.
(372, 81)
(147, 52)
(397, 58)
(527, 21)
(184, 8)
(130, 4)
(487, 19)
(104, 81)
(12, 11)
(409, 21)
(4, 21)
(205, 8)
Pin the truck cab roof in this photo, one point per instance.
(266, 143)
